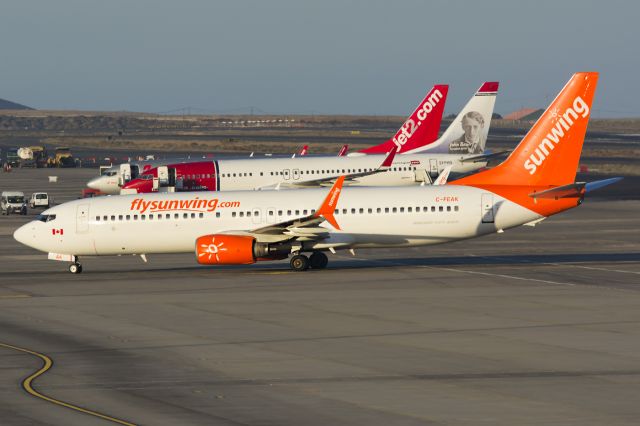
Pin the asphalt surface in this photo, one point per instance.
(532, 326)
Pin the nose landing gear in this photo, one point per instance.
(75, 268)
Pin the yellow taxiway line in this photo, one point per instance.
(27, 385)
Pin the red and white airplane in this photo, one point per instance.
(461, 147)
(243, 227)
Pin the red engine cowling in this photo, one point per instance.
(218, 249)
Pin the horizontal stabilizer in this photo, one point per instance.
(485, 157)
(565, 191)
(577, 189)
(592, 186)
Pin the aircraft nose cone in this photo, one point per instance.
(24, 234)
(95, 183)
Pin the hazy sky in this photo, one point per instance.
(324, 56)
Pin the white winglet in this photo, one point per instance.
(443, 176)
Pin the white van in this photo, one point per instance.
(11, 202)
(40, 199)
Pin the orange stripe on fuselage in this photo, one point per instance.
(519, 194)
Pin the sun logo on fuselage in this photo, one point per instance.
(212, 250)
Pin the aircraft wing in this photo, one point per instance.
(484, 157)
(331, 180)
(304, 228)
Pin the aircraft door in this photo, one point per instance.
(421, 175)
(286, 173)
(82, 218)
(163, 175)
(487, 208)
(433, 166)
(125, 174)
(296, 174)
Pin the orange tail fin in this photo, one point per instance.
(550, 152)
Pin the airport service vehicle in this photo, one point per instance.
(32, 156)
(12, 202)
(12, 157)
(419, 167)
(40, 199)
(62, 158)
(244, 227)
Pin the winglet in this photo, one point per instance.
(443, 176)
(304, 151)
(343, 151)
(388, 160)
(329, 204)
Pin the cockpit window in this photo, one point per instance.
(109, 173)
(147, 177)
(46, 217)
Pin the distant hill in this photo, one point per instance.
(525, 114)
(4, 104)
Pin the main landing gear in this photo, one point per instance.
(317, 260)
(75, 268)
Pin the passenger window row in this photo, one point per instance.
(308, 172)
(409, 209)
(256, 213)
(237, 174)
(198, 176)
(151, 216)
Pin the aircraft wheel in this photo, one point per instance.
(299, 263)
(75, 268)
(318, 260)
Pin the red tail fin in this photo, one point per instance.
(549, 154)
(421, 128)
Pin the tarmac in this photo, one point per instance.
(532, 326)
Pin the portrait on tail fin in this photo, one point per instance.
(473, 140)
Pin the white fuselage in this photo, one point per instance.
(368, 217)
(410, 169)
(260, 173)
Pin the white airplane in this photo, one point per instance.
(534, 182)
(461, 147)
